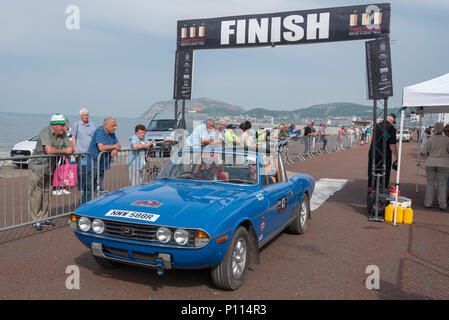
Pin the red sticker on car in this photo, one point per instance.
(147, 203)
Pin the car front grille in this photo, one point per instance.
(139, 232)
(130, 231)
(21, 153)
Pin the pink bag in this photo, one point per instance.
(65, 174)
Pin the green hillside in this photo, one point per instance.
(214, 108)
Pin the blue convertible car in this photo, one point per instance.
(207, 209)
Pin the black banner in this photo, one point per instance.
(183, 74)
(378, 68)
(284, 28)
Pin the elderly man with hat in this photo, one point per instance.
(391, 149)
(52, 140)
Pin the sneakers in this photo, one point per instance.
(60, 192)
(48, 223)
(38, 226)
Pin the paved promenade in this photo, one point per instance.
(328, 262)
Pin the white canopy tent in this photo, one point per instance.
(431, 96)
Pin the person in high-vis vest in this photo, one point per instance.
(231, 138)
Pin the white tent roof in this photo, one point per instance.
(431, 96)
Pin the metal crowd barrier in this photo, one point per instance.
(295, 148)
(27, 198)
(119, 173)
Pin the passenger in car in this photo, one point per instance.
(210, 172)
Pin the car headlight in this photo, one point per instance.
(163, 234)
(98, 226)
(84, 224)
(181, 236)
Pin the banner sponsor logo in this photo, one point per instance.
(367, 22)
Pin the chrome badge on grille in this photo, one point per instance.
(127, 231)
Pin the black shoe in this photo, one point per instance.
(37, 227)
(48, 223)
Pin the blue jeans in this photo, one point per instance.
(87, 185)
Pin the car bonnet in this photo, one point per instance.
(171, 204)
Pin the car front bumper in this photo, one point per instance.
(152, 254)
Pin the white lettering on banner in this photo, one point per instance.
(259, 30)
(276, 30)
(241, 31)
(297, 32)
(226, 31)
(322, 27)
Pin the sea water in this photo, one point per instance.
(16, 127)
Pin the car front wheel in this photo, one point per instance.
(299, 224)
(230, 273)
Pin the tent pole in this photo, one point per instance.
(398, 173)
(418, 152)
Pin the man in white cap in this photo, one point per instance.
(52, 140)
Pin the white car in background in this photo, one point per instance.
(22, 149)
(406, 135)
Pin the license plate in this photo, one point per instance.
(133, 215)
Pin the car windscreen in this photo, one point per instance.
(161, 125)
(213, 167)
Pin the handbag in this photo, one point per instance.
(65, 174)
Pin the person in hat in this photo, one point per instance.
(103, 147)
(391, 149)
(52, 140)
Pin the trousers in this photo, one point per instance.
(436, 176)
(38, 194)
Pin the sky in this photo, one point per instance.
(121, 60)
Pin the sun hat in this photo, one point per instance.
(57, 119)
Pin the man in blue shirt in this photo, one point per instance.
(202, 135)
(82, 133)
(103, 139)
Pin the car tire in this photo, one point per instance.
(300, 222)
(230, 273)
(105, 263)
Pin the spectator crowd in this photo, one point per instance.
(86, 142)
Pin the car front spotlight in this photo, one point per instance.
(181, 236)
(163, 234)
(84, 224)
(98, 226)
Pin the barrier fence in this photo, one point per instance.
(58, 184)
(27, 197)
(294, 148)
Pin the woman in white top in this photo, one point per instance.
(247, 139)
(437, 166)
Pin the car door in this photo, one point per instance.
(278, 195)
